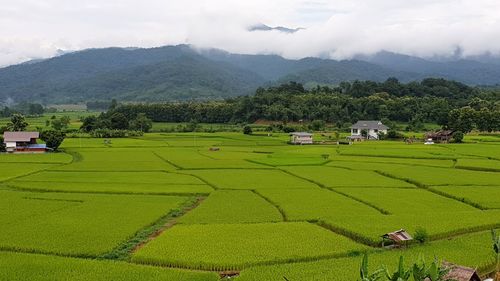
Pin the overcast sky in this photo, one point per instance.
(336, 28)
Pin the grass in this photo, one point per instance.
(233, 206)
(251, 179)
(457, 250)
(82, 225)
(307, 204)
(234, 246)
(337, 177)
(267, 208)
(33, 267)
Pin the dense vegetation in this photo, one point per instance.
(176, 73)
(432, 100)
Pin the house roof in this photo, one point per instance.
(374, 124)
(20, 136)
(398, 236)
(301, 134)
(460, 273)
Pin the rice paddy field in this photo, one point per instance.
(167, 206)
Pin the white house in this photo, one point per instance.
(301, 138)
(22, 142)
(372, 128)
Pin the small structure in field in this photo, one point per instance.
(214, 148)
(399, 238)
(460, 273)
(441, 136)
(22, 142)
(301, 138)
(372, 129)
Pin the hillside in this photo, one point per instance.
(182, 73)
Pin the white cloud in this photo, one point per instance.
(339, 28)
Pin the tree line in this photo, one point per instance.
(431, 100)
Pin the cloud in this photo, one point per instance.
(338, 29)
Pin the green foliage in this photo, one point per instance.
(247, 130)
(401, 274)
(457, 137)
(2, 144)
(52, 138)
(462, 119)
(17, 123)
(496, 247)
(433, 272)
(364, 272)
(60, 124)
(118, 121)
(317, 125)
(421, 235)
(141, 123)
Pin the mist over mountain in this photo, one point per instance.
(183, 73)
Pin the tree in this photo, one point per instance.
(247, 130)
(89, 123)
(118, 121)
(60, 124)
(2, 145)
(317, 125)
(364, 133)
(53, 138)
(462, 119)
(141, 123)
(17, 123)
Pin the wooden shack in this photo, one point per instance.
(441, 136)
(461, 273)
(398, 238)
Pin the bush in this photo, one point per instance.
(457, 137)
(317, 125)
(393, 135)
(2, 145)
(247, 130)
(107, 133)
(288, 129)
(421, 235)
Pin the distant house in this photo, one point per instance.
(461, 273)
(399, 237)
(372, 128)
(18, 142)
(301, 138)
(442, 136)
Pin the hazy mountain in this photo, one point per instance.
(263, 27)
(180, 73)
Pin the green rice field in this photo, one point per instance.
(168, 206)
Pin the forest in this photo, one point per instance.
(440, 101)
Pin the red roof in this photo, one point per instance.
(20, 136)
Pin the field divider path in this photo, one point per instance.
(143, 236)
(380, 210)
(168, 161)
(429, 189)
(282, 212)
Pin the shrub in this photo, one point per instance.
(247, 130)
(288, 129)
(421, 235)
(457, 137)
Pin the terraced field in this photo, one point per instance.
(167, 207)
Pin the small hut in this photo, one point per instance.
(461, 273)
(398, 238)
(301, 138)
(442, 136)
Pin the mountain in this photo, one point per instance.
(181, 72)
(263, 27)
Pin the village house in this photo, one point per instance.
(372, 129)
(461, 273)
(19, 142)
(301, 138)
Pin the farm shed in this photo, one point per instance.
(440, 136)
(372, 128)
(301, 138)
(398, 237)
(19, 142)
(461, 273)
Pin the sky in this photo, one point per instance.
(338, 29)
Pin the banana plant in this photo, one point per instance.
(433, 272)
(365, 275)
(496, 247)
(401, 274)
